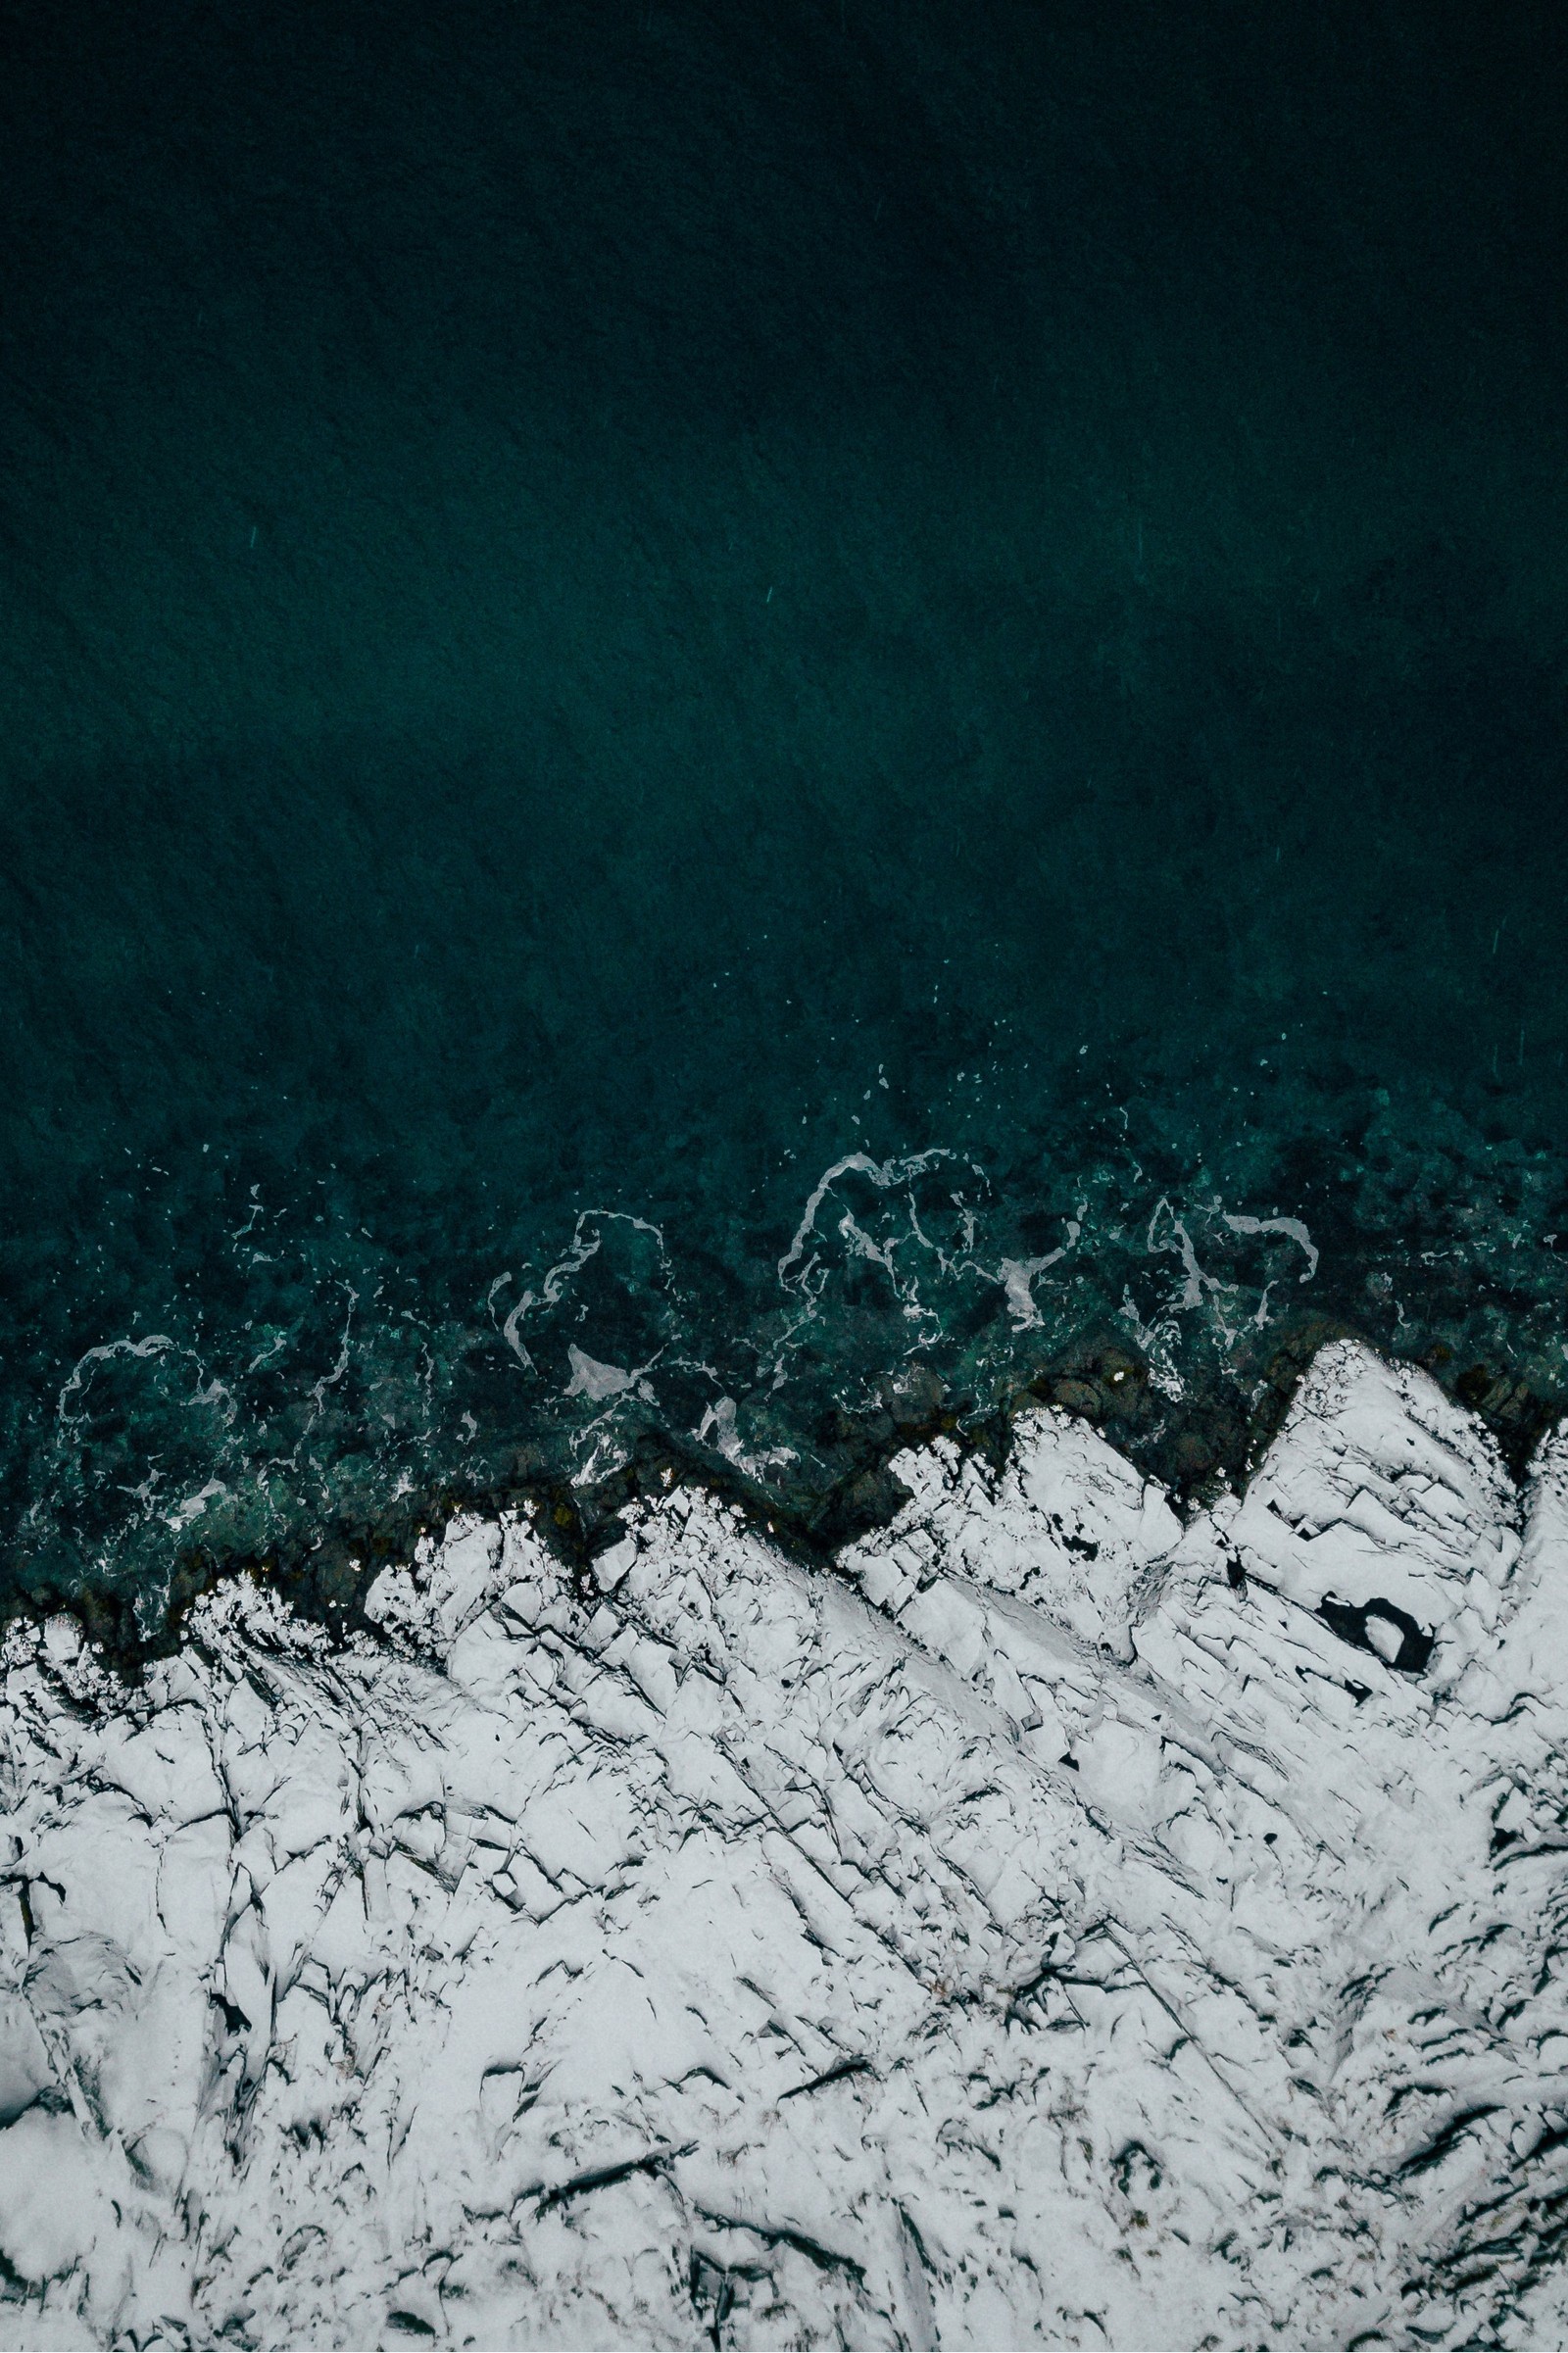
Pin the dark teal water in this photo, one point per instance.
(609, 609)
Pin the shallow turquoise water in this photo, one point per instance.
(610, 609)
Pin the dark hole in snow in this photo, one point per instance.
(1381, 1627)
(1074, 1542)
(713, 2290)
(1136, 2170)
(409, 2324)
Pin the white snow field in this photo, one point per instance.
(1045, 1929)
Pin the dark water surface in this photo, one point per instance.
(611, 610)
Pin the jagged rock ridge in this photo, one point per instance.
(1059, 1926)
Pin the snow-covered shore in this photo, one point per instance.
(1048, 1929)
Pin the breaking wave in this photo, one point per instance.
(314, 1383)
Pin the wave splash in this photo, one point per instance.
(313, 1379)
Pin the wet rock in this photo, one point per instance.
(1518, 1414)
(913, 1400)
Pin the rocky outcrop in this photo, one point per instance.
(1058, 1925)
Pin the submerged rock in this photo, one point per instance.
(1056, 1925)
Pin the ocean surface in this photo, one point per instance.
(718, 715)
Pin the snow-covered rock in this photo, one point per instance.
(1381, 1491)
(1044, 1928)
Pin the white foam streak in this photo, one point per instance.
(594, 1380)
(1291, 1227)
(1173, 1235)
(882, 1173)
(1017, 1277)
(153, 1345)
(194, 1505)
